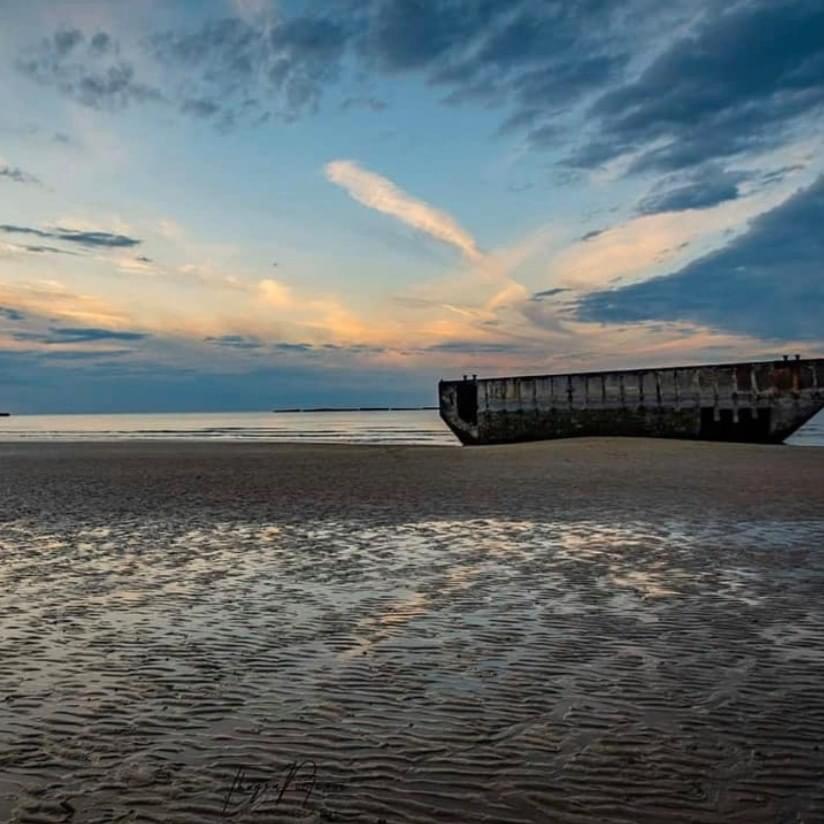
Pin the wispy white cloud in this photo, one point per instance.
(380, 193)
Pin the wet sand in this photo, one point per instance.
(578, 631)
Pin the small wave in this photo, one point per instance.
(422, 427)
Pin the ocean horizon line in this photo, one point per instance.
(418, 425)
(11, 413)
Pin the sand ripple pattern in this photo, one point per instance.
(430, 671)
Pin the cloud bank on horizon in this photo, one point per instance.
(232, 201)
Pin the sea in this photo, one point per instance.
(408, 427)
(400, 427)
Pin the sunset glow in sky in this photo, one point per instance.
(240, 204)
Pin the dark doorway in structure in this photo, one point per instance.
(752, 425)
(467, 393)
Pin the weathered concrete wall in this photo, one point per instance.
(761, 402)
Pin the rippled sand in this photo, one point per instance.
(582, 631)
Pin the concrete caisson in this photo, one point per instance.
(757, 402)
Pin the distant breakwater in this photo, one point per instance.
(358, 409)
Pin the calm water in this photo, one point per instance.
(414, 427)
(811, 434)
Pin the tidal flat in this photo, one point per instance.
(610, 630)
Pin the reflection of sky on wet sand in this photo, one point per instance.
(111, 566)
(231, 631)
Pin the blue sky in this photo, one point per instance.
(240, 204)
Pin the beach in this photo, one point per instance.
(593, 630)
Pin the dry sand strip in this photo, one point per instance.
(578, 631)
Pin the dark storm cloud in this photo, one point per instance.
(106, 239)
(53, 250)
(236, 69)
(234, 341)
(101, 43)
(199, 107)
(777, 175)
(401, 35)
(474, 347)
(24, 230)
(351, 348)
(736, 83)
(679, 85)
(83, 238)
(63, 335)
(708, 186)
(11, 314)
(93, 334)
(536, 56)
(85, 355)
(553, 87)
(252, 343)
(65, 41)
(549, 293)
(768, 282)
(17, 175)
(372, 104)
(89, 70)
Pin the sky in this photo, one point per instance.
(248, 204)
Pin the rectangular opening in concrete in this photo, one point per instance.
(467, 401)
(752, 425)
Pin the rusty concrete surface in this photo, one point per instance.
(758, 402)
